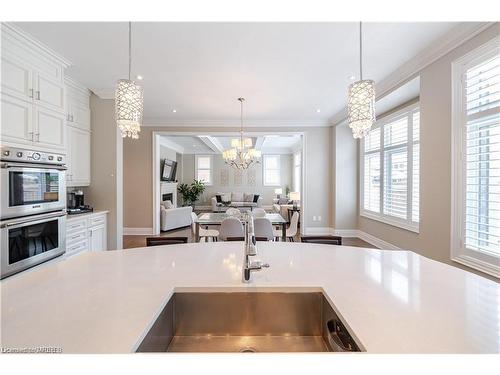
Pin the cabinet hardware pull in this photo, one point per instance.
(37, 94)
(72, 119)
(31, 135)
(31, 93)
(37, 137)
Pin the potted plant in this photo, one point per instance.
(191, 193)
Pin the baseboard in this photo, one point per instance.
(375, 241)
(346, 232)
(325, 231)
(137, 231)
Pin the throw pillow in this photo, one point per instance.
(248, 197)
(255, 198)
(283, 201)
(218, 198)
(226, 197)
(237, 197)
(168, 204)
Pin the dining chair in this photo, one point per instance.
(204, 233)
(231, 227)
(263, 228)
(259, 212)
(326, 240)
(291, 231)
(159, 241)
(231, 211)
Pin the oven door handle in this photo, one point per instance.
(34, 165)
(32, 219)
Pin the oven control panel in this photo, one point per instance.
(30, 156)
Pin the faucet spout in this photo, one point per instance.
(250, 251)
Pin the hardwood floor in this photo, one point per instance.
(140, 241)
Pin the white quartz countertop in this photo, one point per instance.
(86, 214)
(393, 301)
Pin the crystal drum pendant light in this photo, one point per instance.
(129, 100)
(361, 99)
(241, 155)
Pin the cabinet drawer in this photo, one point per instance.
(77, 248)
(97, 220)
(72, 238)
(73, 226)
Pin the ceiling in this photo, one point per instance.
(286, 71)
(206, 144)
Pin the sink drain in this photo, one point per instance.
(248, 349)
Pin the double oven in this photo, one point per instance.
(33, 208)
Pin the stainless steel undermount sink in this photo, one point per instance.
(248, 322)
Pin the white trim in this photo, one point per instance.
(375, 241)
(172, 145)
(137, 231)
(348, 233)
(19, 34)
(458, 251)
(165, 122)
(211, 169)
(156, 173)
(451, 40)
(326, 231)
(407, 224)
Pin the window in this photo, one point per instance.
(204, 168)
(271, 170)
(390, 169)
(297, 168)
(476, 159)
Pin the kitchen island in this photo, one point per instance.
(392, 301)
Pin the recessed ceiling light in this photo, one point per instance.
(174, 111)
(352, 78)
(318, 110)
(139, 77)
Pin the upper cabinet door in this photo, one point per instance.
(49, 92)
(50, 128)
(16, 78)
(16, 120)
(79, 114)
(79, 157)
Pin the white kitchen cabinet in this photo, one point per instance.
(17, 122)
(86, 232)
(33, 93)
(49, 128)
(78, 157)
(98, 238)
(17, 78)
(48, 92)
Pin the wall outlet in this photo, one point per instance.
(319, 218)
(314, 218)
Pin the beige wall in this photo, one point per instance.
(137, 160)
(433, 241)
(105, 191)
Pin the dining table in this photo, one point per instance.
(216, 218)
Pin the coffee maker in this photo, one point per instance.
(76, 203)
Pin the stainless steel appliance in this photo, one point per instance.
(32, 182)
(31, 240)
(33, 211)
(76, 203)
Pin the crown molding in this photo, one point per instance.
(451, 40)
(22, 36)
(234, 123)
(74, 84)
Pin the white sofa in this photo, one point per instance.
(173, 218)
(237, 200)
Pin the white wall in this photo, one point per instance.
(267, 192)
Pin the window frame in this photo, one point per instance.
(458, 251)
(211, 169)
(408, 223)
(264, 162)
(297, 180)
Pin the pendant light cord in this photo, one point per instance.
(129, 49)
(360, 51)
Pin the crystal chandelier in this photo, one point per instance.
(129, 100)
(361, 99)
(241, 155)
